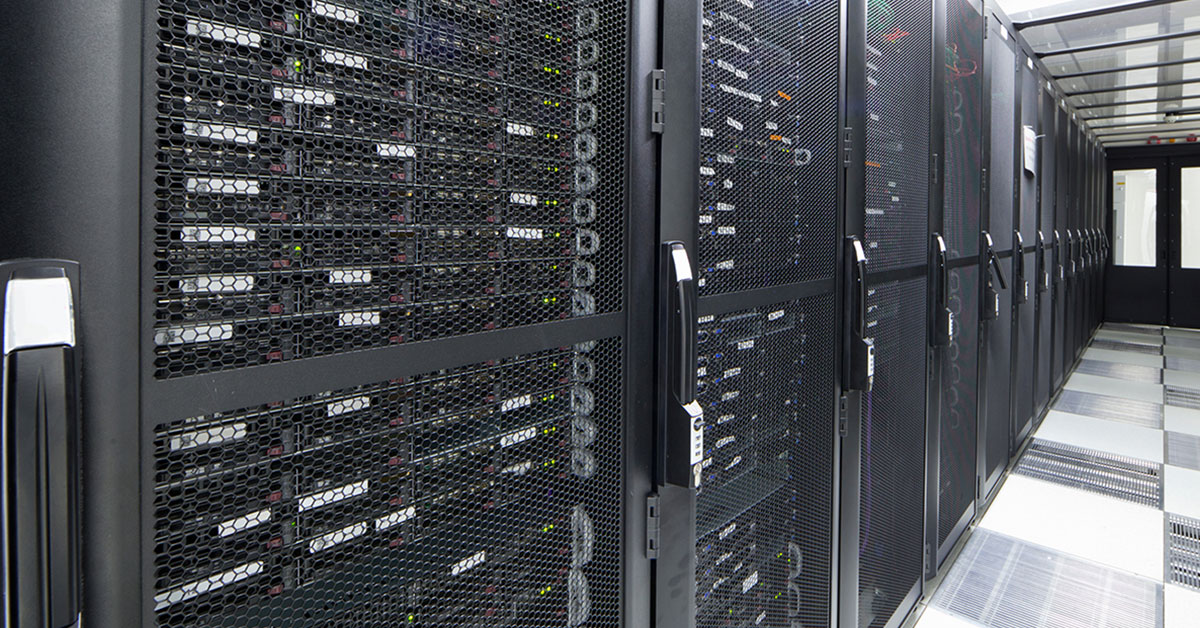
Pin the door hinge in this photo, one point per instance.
(983, 183)
(929, 566)
(652, 519)
(986, 23)
(979, 488)
(847, 145)
(843, 415)
(658, 88)
(935, 165)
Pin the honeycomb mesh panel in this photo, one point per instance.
(764, 507)
(484, 495)
(769, 143)
(956, 486)
(341, 175)
(897, 146)
(891, 526)
(964, 110)
(1002, 127)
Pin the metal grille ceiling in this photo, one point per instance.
(1130, 68)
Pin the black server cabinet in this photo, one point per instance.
(889, 214)
(996, 252)
(957, 429)
(1062, 204)
(1046, 244)
(751, 185)
(1025, 282)
(357, 288)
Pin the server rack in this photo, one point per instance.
(996, 305)
(752, 176)
(357, 294)
(1046, 245)
(956, 426)
(1025, 283)
(891, 226)
(1062, 236)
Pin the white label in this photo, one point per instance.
(525, 130)
(707, 171)
(728, 440)
(516, 402)
(706, 219)
(726, 159)
(337, 537)
(733, 463)
(190, 334)
(508, 440)
(521, 468)
(747, 3)
(396, 518)
(725, 265)
(350, 276)
(217, 284)
(740, 47)
(210, 436)
(734, 123)
(524, 233)
(731, 395)
(216, 185)
(706, 319)
(729, 89)
(776, 315)
(706, 132)
(223, 32)
(395, 150)
(330, 10)
(749, 582)
(772, 126)
(209, 235)
(733, 372)
(701, 371)
(220, 132)
(730, 529)
(727, 230)
(342, 406)
(333, 495)
(304, 96)
(518, 198)
(344, 58)
(761, 617)
(233, 526)
(358, 319)
(729, 67)
(211, 583)
(726, 207)
(468, 563)
(745, 344)
(725, 418)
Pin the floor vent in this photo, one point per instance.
(1132, 411)
(1119, 345)
(1183, 551)
(1125, 478)
(1182, 364)
(1183, 342)
(1183, 450)
(1129, 372)
(1133, 328)
(1002, 582)
(1184, 397)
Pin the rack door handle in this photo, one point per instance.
(40, 473)
(859, 368)
(941, 319)
(684, 421)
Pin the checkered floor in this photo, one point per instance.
(1099, 522)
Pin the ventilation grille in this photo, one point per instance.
(1183, 342)
(964, 111)
(1150, 332)
(342, 175)
(1095, 471)
(960, 402)
(1002, 582)
(1133, 347)
(769, 145)
(1182, 364)
(482, 495)
(1134, 412)
(764, 508)
(1183, 450)
(1184, 397)
(1131, 372)
(1183, 551)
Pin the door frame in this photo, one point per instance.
(1130, 291)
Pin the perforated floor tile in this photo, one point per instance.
(1183, 379)
(1131, 372)
(1103, 435)
(1181, 491)
(1130, 479)
(1136, 347)
(1005, 582)
(1134, 412)
(1155, 340)
(1183, 450)
(1182, 397)
(1109, 531)
(1123, 388)
(1123, 357)
(1183, 551)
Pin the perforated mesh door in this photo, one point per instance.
(764, 522)
(486, 495)
(959, 404)
(769, 143)
(337, 176)
(891, 531)
(964, 111)
(1003, 135)
(1048, 171)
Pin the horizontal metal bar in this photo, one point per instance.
(1148, 133)
(1128, 68)
(1147, 101)
(1147, 113)
(1136, 124)
(1082, 15)
(1123, 88)
(1150, 39)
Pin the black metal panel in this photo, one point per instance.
(331, 177)
(490, 492)
(1028, 174)
(764, 508)
(891, 534)
(1001, 64)
(769, 146)
(964, 126)
(1047, 274)
(1061, 262)
(958, 429)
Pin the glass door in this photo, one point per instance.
(1137, 280)
(1183, 242)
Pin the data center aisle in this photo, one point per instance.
(1098, 524)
